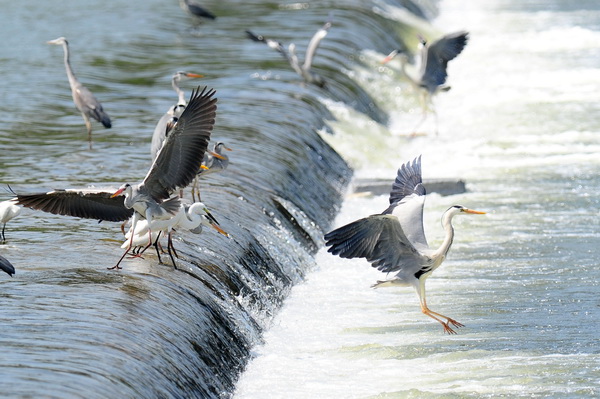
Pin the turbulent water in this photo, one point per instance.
(521, 126)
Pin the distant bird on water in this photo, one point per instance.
(394, 241)
(8, 211)
(433, 68)
(175, 166)
(168, 120)
(84, 100)
(6, 266)
(195, 9)
(304, 70)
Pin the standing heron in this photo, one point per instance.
(304, 70)
(214, 161)
(175, 165)
(195, 9)
(6, 266)
(190, 217)
(168, 120)
(8, 211)
(394, 241)
(83, 98)
(433, 70)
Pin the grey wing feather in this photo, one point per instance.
(438, 55)
(408, 181)
(87, 103)
(379, 239)
(311, 50)
(183, 150)
(88, 204)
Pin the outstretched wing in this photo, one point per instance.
(378, 238)
(311, 50)
(407, 199)
(438, 55)
(83, 203)
(182, 152)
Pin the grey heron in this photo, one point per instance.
(6, 266)
(433, 69)
(304, 69)
(83, 98)
(189, 216)
(394, 241)
(214, 161)
(8, 211)
(195, 9)
(166, 122)
(175, 166)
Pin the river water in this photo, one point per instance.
(521, 126)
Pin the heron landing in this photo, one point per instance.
(394, 240)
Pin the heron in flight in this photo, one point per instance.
(433, 70)
(214, 161)
(6, 266)
(304, 70)
(195, 9)
(175, 165)
(8, 211)
(168, 120)
(83, 98)
(394, 241)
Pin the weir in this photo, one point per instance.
(152, 331)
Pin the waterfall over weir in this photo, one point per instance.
(72, 329)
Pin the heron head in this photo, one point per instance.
(459, 209)
(391, 56)
(59, 41)
(124, 188)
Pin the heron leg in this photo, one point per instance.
(133, 224)
(169, 246)
(194, 189)
(434, 315)
(3, 236)
(88, 125)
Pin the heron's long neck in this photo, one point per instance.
(448, 238)
(180, 93)
(70, 74)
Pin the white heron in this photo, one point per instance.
(175, 166)
(304, 69)
(433, 68)
(394, 241)
(83, 98)
(8, 211)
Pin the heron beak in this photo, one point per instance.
(471, 211)
(118, 192)
(387, 59)
(214, 154)
(220, 230)
(204, 167)
(194, 75)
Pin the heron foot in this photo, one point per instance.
(115, 267)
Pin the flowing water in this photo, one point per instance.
(521, 126)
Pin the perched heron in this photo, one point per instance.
(433, 70)
(214, 161)
(175, 165)
(195, 9)
(190, 217)
(304, 70)
(8, 211)
(83, 98)
(168, 120)
(394, 241)
(6, 266)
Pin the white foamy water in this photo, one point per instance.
(521, 126)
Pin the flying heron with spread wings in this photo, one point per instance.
(394, 240)
(175, 166)
(303, 69)
(433, 72)
(83, 98)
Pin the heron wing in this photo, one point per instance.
(88, 104)
(182, 152)
(438, 55)
(407, 199)
(378, 238)
(311, 50)
(83, 203)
